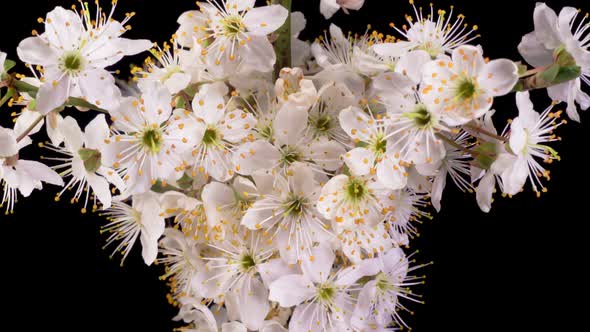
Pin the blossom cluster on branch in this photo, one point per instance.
(281, 182)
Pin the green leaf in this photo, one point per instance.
(485, 154)
(91, 159)
(8, 65)
(185, 182)
(549, 74)
(567, 74)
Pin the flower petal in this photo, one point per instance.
(261, 21)
(291, 290)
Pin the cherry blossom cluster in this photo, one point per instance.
(281, 186)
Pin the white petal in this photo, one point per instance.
(96, 132)
(254, 304)
(484, 192)
(291, 290)
(63, 29)
(317, 267)
(290, 125)
(259, 54)
(499, 76)
(40, 172)
(535, 52)
(233, 327)
(74, 139)
(328, 8)
(546, 26)
(394, 50)
(101, 189)
(209, 103)
(468, 60)
(177, 82)
(275, 269)
(438, 185)
(52, 94)
(25, 120)
(258, 155)
(355, 123)
(261, 21)
(411, 65)
(35, 51)
(8, 147)
(391, 174)
(359, 161)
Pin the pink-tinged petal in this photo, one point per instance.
(499, 77)
(291, 290)
(546, 26)
(262, 21)
(64, 29)
(534, 52)
(35, 51)
(328, 8)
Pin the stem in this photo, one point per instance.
(30, 128)
(485, 132)
(9, 94)
(283, 43)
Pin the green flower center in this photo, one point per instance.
(170, 72)
(326, 293)
(379, 145)
(211, 136)
(152, 140)
(72, 62)
(420, 115)
(247, 262)
(466, 89)
(294, 205)
(323, 124)
(266, 133)
(232, 25)
(289, 156)
(383, 283)
(356, 190)
(430, 48)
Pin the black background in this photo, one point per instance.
(519, 268)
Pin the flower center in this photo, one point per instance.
(289, 156)
(266, 132)
(326, 293)
(466, 89)
(247, 262)
(383, 283)
(170, 72)
(420, 115)
(294, 205)
(152, 140)
(379, 145)
(356, 190)
(72, 62)
(232, 26)
(211, 136)
(323, 124)
(430, 48)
